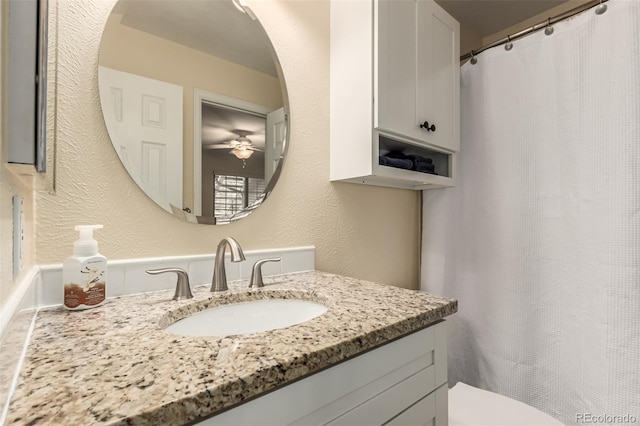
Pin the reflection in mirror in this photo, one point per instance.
(195, 104)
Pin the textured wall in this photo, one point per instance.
(10, 186)
(360, 231)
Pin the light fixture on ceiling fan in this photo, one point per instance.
(240, 146)
(243, 148)
(242, 153)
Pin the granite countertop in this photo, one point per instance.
(116, 365)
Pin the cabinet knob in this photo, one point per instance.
(426, 126)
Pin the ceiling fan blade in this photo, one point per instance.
(228, 140)
(218, 146)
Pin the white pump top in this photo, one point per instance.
(86, 245)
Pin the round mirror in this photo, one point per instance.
(195, 105)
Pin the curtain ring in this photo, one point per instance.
(601, 8)
(549, 29)
(473, 60)
(508, 45)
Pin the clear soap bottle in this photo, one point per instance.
(84, 274)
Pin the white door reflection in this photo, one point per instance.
(145, 115)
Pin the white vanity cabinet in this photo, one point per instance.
(394, 87)
(401, 383)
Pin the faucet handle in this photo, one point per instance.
(183, 289)
(256, 274)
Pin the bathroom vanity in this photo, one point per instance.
(378, 354)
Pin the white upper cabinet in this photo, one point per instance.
(417, 71)
(395, 86)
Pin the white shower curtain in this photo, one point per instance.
(540, 239)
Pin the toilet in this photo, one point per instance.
(469, 406)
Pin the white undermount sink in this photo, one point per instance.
(247, 317)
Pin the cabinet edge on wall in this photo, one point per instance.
(26, 84)
(351, 89)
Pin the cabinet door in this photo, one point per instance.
(395, 65)
(417, 72)
(438, 77)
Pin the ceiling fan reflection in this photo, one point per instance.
(241, 146)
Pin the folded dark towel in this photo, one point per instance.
(426, 166)
(409, 162)
(396, 162)
(398, 154)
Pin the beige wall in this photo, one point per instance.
(126, 49)
(10, 186)
(469, 39)
(361, 231)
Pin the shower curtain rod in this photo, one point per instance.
(536, 27)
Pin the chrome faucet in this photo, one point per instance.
(219, 281)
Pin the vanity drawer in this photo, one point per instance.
(432, 410)
(368, 389)
(392, 401)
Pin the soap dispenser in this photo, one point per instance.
(85, 273)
